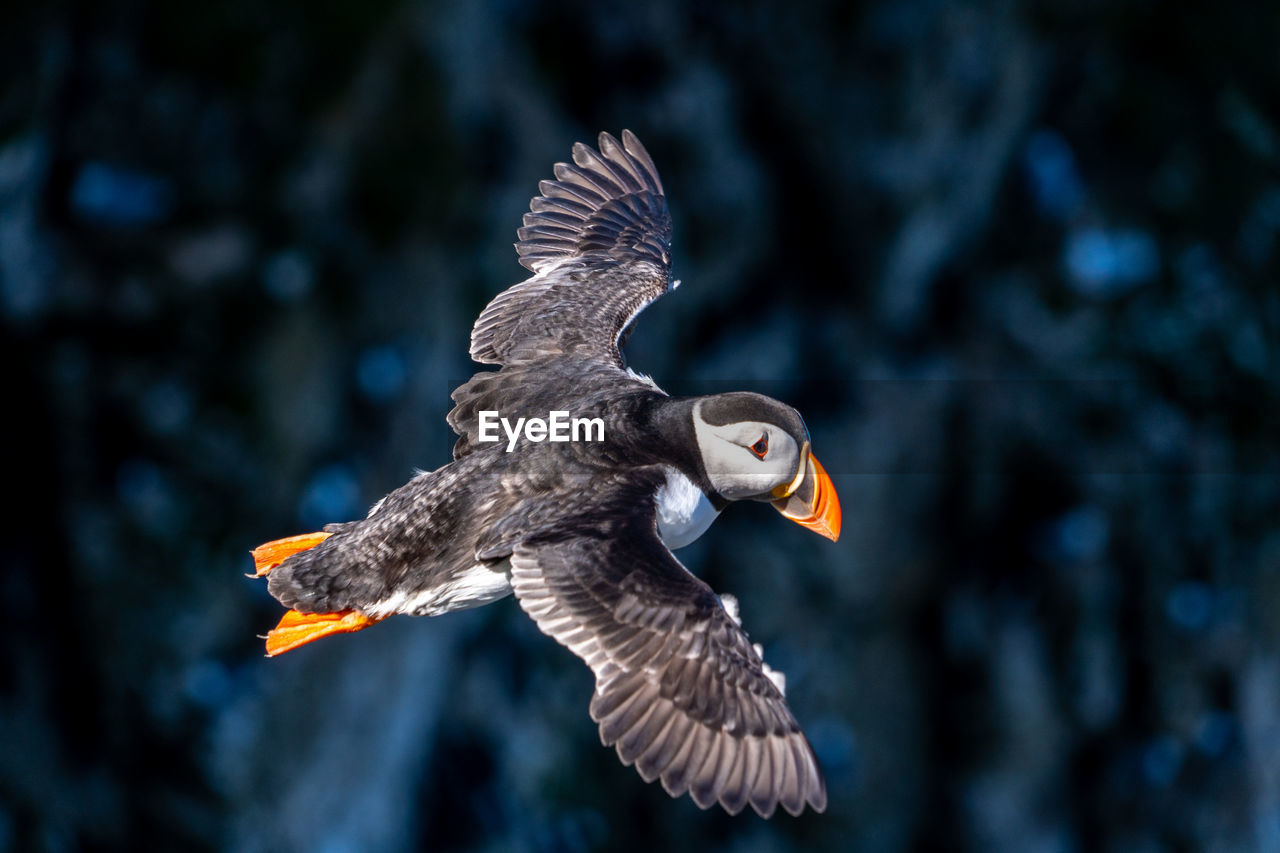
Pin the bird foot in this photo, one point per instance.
(266, 557)
(298, 629)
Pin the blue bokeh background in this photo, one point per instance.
(1016, 263)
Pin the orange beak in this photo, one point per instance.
(812, 502)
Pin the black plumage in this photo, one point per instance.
(573, 529)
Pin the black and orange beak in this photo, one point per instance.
(810, 500)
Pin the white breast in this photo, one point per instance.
(684, 513)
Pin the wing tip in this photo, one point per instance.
(595, 177)
(635, 148)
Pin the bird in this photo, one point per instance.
(582, 532)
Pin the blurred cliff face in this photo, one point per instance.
(1016, 264)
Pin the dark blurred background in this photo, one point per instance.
(1016, 263)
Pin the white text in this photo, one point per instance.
(557, 426)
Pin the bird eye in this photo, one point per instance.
(761, 447)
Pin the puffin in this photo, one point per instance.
(582, 531)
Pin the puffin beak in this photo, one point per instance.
(811, 502)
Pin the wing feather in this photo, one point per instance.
(598, 241)
(706, 783)
(680, 691)
(733, 788)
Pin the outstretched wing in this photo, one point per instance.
(598, 240)
(680, 690)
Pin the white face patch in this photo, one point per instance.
(684, 513)
(747, 458)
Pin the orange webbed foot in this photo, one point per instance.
(298, 629)
(267, 556)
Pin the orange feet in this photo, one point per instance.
(298, 629)
(267, 557)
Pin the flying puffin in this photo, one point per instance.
(582, 532)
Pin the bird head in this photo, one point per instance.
(756, 448)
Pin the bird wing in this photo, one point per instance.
(598, 240)
(680, 690)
